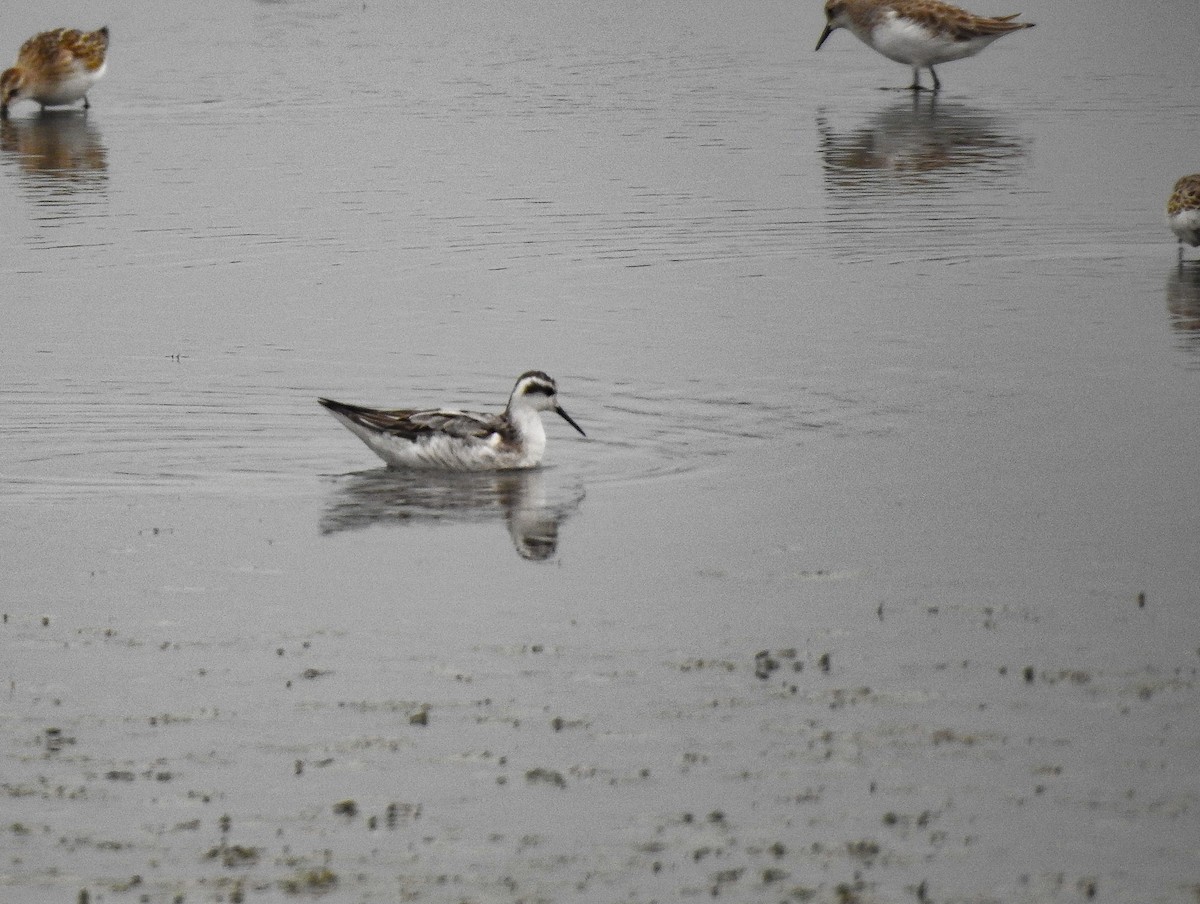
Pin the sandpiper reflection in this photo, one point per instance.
(57, 148)
(54, 142)
(531, 506)
(1183, 302)
(915, 143)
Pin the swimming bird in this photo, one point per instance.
(1183, 211)
(55, 67)
(921, 33)
(451, 440)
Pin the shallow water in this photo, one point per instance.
(874, 579)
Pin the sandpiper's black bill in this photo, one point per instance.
(566, 417)
(824, 35)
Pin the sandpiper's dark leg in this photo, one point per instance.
(937, 82)
(86, 105)
(916, 84)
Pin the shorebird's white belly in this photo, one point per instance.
(1186, 225)
(69, 89)
(438, 453)
(909, 42)
(447, 453)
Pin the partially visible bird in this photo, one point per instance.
(1183, 211)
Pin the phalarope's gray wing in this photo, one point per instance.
(413, 424)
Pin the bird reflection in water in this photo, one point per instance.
(56, 148)
(910, 144)
(532, 509)
(919, 181)
(1183, 302)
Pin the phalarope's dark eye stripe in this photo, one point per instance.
(448, 439)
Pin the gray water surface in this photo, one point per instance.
(875, 578)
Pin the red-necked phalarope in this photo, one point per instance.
(55, 67)
(449, 440)
(921, 33)
(1183, 211)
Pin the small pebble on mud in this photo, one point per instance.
(764, 665)
(315, 881)
(234, 855)
(545, 777)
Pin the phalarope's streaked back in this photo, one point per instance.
(921, 33)
(1183, 211)
(55, 67)
(450, 440)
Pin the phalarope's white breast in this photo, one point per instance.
(449, 440)
(55, 67)
(1183, 211)
(921, 33)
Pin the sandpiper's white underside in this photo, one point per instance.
(906, 41)
(1186, 225)
(70, 89)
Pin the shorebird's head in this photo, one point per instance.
(836, 16)
(538, 392)
(12, 83)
